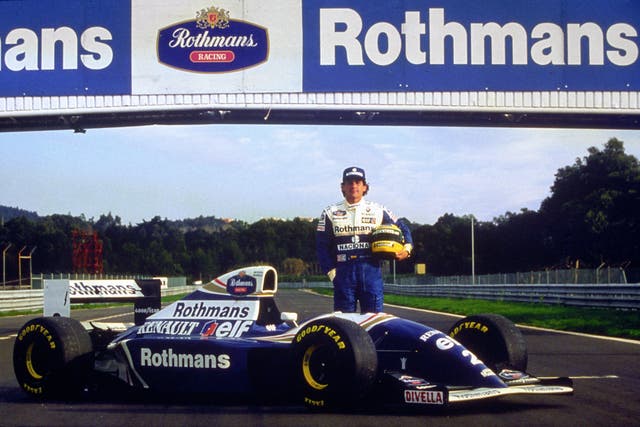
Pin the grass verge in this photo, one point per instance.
(607, 322)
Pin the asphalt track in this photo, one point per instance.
(606, 377)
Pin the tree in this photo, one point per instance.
(592, 212)
(445, 246)
(514, 242)
(293, 266)
(106, 222)
(591, 216)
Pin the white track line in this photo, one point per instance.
(593, 377)
(578, 334)
(536, 328)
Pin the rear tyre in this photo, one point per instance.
(52, 357)
(494, 339)
(335, 363)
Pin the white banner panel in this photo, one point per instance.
(280, 71)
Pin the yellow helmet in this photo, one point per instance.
(386, 241)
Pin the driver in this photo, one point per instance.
(343, 248)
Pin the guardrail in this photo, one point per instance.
(596, 296)
(21, 300)
(27, 300)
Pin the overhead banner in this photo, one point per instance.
(461, 45)
(95, 55)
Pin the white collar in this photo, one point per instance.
(354, 205)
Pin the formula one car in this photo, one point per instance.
(229, 336)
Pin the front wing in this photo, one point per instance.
(417, 391)
(547, 386)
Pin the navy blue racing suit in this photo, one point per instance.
(344, 251)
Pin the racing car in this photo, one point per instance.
(229, 336)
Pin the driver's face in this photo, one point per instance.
(353, 190)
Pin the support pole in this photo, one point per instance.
(473, 255)
(4, 265)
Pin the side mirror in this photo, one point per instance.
(289, 317)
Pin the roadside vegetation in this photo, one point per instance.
(589, 220)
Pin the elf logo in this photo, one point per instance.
(226, 329)
(213, 42)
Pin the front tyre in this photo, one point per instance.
(52, 357)
(335, 363)
(494, 339)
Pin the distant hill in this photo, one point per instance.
(7, 213)
(210, 224)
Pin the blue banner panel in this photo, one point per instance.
(65, 47)
(468, 45)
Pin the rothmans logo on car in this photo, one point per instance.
(241, 284)
(213, 42)
(167, 358)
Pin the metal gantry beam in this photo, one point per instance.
(80, 123)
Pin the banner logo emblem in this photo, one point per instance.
(213, 42)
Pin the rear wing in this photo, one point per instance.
(144, 293)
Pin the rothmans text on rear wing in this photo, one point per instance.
(144, 293)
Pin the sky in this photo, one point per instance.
(249, 172)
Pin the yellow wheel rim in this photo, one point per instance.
(306, 369)
(29, 362)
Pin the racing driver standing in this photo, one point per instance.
(344, 250)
